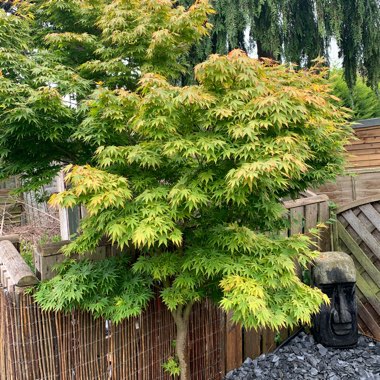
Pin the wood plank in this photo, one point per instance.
(365, 220)
(368, 292)
(371, 213)
(364, 193)
(369, 281)
(364, 140)
(363, 145)
(370, 131)
(358, 202)
(364, 171)
(234, 344)
(365, 151)
(267, 340)
(368, 320)
(324, 215)
(50, 249)
(360, 256)
(367, 189)
(334, 237)
(296, 220)
(305, 201)
(311, 216)
(360, 229)
(364, 157)
(362, 164)
(311, 220)
(368, 179)
(252, 343)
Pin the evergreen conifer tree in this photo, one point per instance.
(299, 31)
(363, 100)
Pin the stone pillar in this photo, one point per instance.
(336, 324)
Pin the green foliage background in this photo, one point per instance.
(364, 101)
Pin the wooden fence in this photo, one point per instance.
(46, 346)
(38, 345)
(362, 177)
(306, 213)
(358, 234)
(356, 184)
(364, 150)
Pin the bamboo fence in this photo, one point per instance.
(46, 346)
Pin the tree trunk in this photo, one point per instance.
(181, 317)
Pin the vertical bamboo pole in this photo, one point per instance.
(3, 346)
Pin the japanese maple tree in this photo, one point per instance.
(187, 181)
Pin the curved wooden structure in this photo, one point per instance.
(358, 233)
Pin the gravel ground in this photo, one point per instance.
(303, 359)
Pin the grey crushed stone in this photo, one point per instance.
(303, 359)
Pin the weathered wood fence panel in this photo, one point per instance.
(307, 213)
(362, 176)
(355, 185)
(365, 151)
(358, 233)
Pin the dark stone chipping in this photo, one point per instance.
(303, 359)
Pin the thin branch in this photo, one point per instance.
(37, 209)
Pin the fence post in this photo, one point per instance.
(234, 344)
(46, 256)
(14, 272)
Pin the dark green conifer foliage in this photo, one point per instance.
(300, 31)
